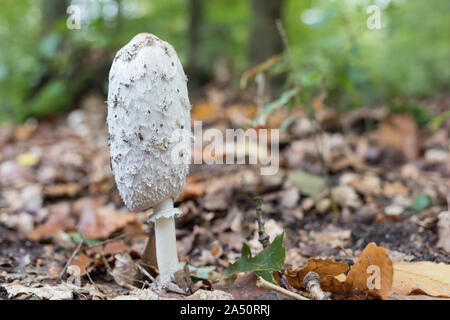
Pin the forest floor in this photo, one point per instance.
(61, 215)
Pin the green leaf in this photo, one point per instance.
(266, 275)
(308, 184)
(281, 101)
(78, 238)
(421, 202)
(199, 273)
(264, 263)
(437, 121)
(287, 122)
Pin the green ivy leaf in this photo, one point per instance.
(264, 263)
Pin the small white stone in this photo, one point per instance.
(394, 210)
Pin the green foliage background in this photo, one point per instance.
(408, 57)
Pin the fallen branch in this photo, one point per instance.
(266, 284)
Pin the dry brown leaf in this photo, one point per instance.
(111, 248)
(82, 262)
(366, 184)
(24, 132)
(349, 161)
(125, 271)
(401, 132)
(139, 294)
(210, 295)
(346, 196)
(241, 115)
(63, 291)
(357, 277)
(333, 279)
(59, 220)
(193, 187)
(217, 250)
(423, 277)
(416, 297)
(98, 221)
(60, 190)
(391, 190)
(444, 230)
(324, 267)
(243, 288)
(332, 236)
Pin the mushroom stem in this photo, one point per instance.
(166, 243)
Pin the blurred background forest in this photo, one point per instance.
(46, 67)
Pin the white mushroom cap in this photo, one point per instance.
(147, 103)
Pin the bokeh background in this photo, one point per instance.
(46, 68)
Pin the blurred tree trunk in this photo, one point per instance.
(119, 17)
(265, 40)
(197, 76)
(52, 11)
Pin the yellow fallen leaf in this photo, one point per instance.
(27, 159)
(422, 277)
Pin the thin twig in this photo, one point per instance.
(142, 269)
(263, 236)
(95, 286)
(120, 236)
(74, 254)
(266, 284)
(282, 32)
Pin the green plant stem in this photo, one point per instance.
(315, 125)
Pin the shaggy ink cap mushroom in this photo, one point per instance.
(147, 103)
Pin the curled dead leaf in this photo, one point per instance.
(324, 267)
